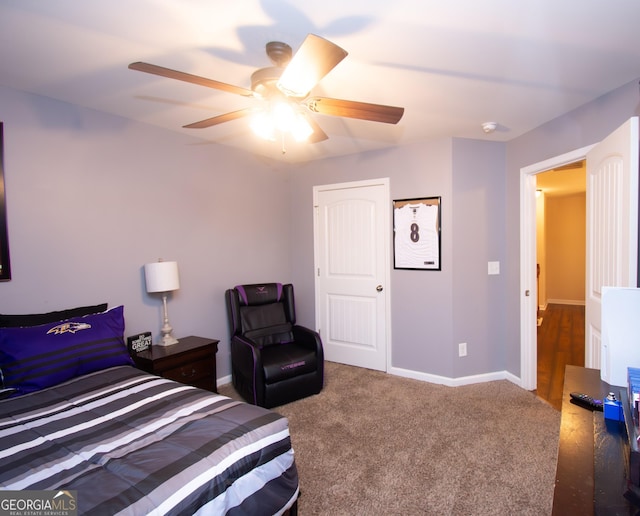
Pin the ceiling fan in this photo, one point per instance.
(286, 87)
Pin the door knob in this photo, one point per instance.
(379, 288)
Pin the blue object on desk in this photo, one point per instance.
(613, 408)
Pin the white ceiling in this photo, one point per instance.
(452, 65)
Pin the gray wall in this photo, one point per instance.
(478, 232)
(91, 198)
(421, 320)
(432, 311)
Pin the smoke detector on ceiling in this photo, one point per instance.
(489, 127)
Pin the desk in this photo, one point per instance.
(590, 473)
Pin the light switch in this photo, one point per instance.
(494, 267)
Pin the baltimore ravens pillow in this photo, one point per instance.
(32, 358)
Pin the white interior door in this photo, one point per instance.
(352, 233)
(612, 226)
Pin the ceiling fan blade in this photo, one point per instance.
(315, 58)
(187, 77)
(318, 134)
(220, 119)
(352, 109)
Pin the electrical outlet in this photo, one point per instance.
(462, 349)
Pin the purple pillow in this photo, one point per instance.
(36, 357)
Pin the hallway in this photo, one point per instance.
(560, 342)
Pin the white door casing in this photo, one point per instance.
(528, 328)
(352, 237)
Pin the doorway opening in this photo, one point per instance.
(561, 234)
(528, 260)
(560, 262)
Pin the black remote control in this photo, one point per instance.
(586, 401)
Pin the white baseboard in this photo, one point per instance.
(224, 380)
(456, 382)
(432, 378)
(566, 301)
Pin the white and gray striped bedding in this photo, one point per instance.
(132, 443)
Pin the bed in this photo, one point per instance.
(79, 418)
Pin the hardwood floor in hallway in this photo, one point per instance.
(560, 342)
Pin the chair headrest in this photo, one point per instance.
(259, 294)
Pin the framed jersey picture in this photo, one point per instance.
(416, 234)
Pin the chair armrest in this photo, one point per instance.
(308, 338)
(246, 341)
(245, 352)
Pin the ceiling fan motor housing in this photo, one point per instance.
(264, 81)
(280, 53)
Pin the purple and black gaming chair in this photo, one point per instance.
(273, 360)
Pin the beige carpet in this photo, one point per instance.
(376, 444)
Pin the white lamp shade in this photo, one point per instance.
(162, 276)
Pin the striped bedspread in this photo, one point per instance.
(132, 443)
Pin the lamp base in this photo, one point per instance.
(167, 340)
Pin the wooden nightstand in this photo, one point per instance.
(191, 361)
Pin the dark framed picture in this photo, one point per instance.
(5, 265)
(416, 234)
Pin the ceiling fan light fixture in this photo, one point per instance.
(301, 129)
(297, 85)
(262, 125)
(282, 117)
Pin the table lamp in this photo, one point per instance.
(163, 277)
